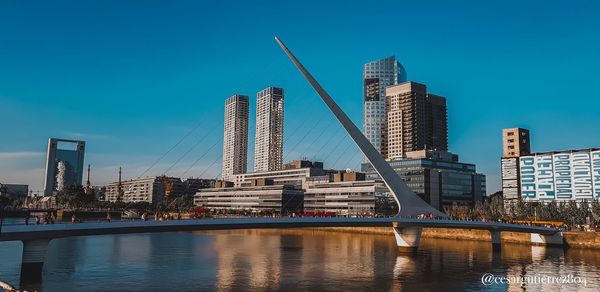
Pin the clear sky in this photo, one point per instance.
(133, 77)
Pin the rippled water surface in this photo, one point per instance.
(291, 260)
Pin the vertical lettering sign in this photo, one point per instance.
(563, 176)
(510, 184)
(582, 175)
(544, 174)
(528, 181)
(596, 173)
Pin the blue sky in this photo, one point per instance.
(133, 77)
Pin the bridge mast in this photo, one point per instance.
(409, 203)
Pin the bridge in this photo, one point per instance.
(407, 231)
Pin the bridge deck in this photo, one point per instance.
(50, 231)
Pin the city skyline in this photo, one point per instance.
(80, 101)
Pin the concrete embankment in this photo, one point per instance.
(574, 239)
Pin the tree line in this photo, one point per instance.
(494, 208)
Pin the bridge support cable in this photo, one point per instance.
(336, 147)
(326, 130)
(202, 156)
(286, 156)
(191, 149)
(343, 153)
(357, 156)
(296, 131)
(193, 129)
(211, 165)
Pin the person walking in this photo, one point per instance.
(108, 217)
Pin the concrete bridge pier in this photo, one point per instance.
(555, 239)
(407, 238)
(32, 262)
(496, 240)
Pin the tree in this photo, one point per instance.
(595, 210)
(496, 207)
(571, 213)
(74, 196)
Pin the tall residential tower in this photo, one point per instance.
(268, 149)
(416, 120)
(235, 135)
(377, 75)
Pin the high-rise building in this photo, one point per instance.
(268, 148)
(515, 142)
(377, 75)
(235, 135)
(64, 164)
(416, 120)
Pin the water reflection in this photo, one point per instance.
(292, 260)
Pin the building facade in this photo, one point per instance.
(416, 120)
(349, 198)
(64, 164)
(377, 75)
(515, 142)
(14, 190)
(235, 135)
(150, 189)
(280, 199)
(268, 147)
(552, 176)
(570, 175)
(320, 190)
(294, 173)
(438, 178)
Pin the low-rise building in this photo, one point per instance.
(552, 176)
(293, 173)
(14, 190)
(149, 189)
(192, 185)
(316, 189)
(280, 199)
(437, 177)
(547, 176)
(349, 197)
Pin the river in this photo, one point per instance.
(294, 259)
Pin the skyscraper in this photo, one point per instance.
(235, 135)
(268, 148)
(64, 164)
(416, 120)
(377, 75)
